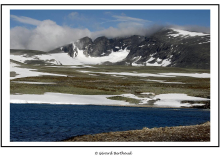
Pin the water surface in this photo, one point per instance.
(46, 122)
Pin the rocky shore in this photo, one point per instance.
(194, 133)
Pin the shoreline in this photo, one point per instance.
(191, 133)
(113, 105)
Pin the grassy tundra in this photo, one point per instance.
(100, 80)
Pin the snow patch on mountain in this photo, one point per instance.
(79, 58)
(186, 33)
(112, 57)
(158, 62)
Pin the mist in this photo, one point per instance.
(192, 28)
(48, 35)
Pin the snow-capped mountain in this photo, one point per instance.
(173, 47)
(100, 47)
(167, 47)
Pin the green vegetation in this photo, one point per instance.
(130, 100)
(93, 83)
(13, 74)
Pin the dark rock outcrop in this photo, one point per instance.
(164, 48)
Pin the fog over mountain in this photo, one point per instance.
(48, 34)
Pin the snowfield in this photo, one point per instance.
(174, 100)
(61, 98)
(195, 75)
(26, 82)
(167, 100)
(158, 62)
(112, 57)
(162, 100)
(26, 72)
(80, 59)
(186, 33)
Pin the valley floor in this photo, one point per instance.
(194, 133)
(109, 85)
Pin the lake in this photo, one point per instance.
(47, 122)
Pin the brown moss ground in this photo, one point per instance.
(196, 133)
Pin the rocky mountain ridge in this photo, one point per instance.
(167, 47)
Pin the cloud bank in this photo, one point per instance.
(48, 35)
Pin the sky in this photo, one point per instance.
(47, 29)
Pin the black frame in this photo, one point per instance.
(109, 5)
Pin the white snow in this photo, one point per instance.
(85, 71)
(162, 100)
(148, 93)
(26, 82)
(195, 75)
(80, 59)
(136, 64)
(162, 81)
(167, 100)
(61, 98)
(174, 100)
(131, 74)
(153, 54)
(151, 59)
(72, 66)
(22, 58)
(26, 72)
(135, 60)
(204, 42)
(93, 74)
(166, 62)
(64, 59)
(142, 100)
(186, 33)
(158, 62)
(66, 66)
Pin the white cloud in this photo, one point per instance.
(73, 15)
(124, 18)
(127, 30)
(19, 37)
(26, 20)
(193, 28)
(46, 36)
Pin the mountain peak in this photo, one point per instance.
(180, 32)
(169, 47)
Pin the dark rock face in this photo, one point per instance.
(101, 46)
(83, 43)
(163, 48)
(181, 51)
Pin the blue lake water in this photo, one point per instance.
(47, 122)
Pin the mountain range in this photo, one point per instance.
(168, 47)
